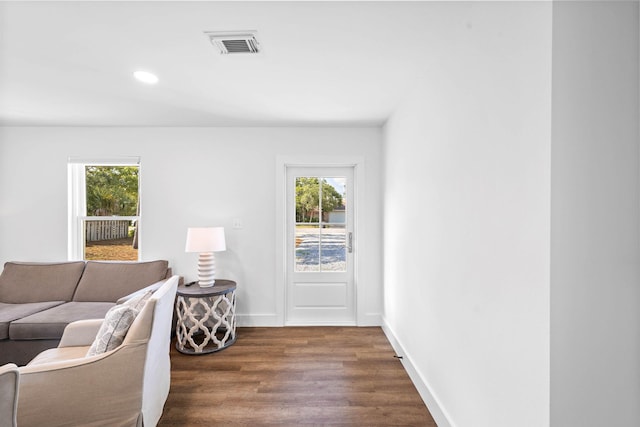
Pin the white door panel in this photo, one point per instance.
(318, 295)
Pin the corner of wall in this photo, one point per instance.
(436, 409)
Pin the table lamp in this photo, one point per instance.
(206, 241)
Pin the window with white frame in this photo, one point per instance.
(104, 209)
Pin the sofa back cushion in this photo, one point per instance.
(22, 282)
(108, 281)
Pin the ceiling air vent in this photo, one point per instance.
(235, 42)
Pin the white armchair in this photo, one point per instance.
(9, 381)
(127, 386)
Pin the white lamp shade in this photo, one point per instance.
(205, 239)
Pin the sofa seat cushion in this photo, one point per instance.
(50, 324)
(59, 355)
(22, 282)
(109, 281)
(11, 312)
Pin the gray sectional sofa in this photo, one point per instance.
(38, 300)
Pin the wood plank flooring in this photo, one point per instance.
(311, 376)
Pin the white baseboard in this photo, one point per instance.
(304, 323)
(260, 320)
(435, 408)
(370, 319)
(272, 320)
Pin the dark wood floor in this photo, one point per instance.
(320, 376)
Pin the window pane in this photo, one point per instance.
(333, 200)
(320, 224)
(333, 253)
(307, 246)
(112, 190)
(333, 250)
(307, 200)
(110, 240)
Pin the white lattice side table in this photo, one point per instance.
(206, 317)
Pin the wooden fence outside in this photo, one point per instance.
(96, 231)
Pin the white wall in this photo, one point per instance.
(189, 177)
(595, 215)
(466, 219)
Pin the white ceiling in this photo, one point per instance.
(323, 63)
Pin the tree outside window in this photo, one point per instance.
(308, 207)
(111, 191)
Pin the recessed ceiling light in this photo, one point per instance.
(146, 77)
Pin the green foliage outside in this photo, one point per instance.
(308, 197)
(112, 190)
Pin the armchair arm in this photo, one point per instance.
(80, 333)
(106, 389)
(153, 287)
(9, 382)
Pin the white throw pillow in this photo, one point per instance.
(114, 328)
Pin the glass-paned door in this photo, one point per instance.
(320, 287)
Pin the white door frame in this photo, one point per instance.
(282, 163)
